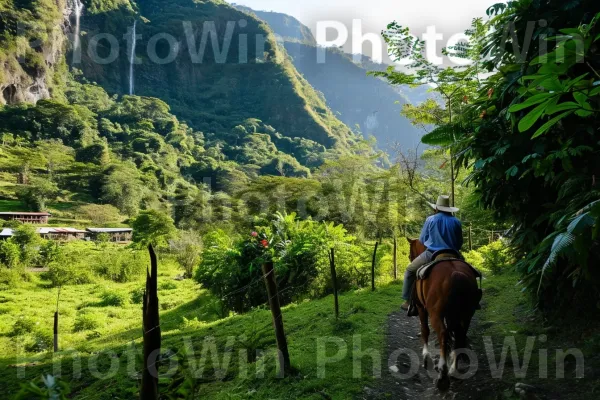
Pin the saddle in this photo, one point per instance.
(444, 255)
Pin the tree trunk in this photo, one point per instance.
(151, 326)
(373, 267)
(334, 283)
(284, 356)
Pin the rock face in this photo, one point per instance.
(34, 59)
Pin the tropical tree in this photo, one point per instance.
(533, 143)
(440, 117)
(153, 227)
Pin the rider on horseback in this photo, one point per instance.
(442, 231)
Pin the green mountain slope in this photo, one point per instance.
(196, 132)
(357, 99)
(212, 94)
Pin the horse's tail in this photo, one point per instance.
(462, 303)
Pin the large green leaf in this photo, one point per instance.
(531, 101)
(440, 136)
(567, 105)
(544, 128)
(530, 119)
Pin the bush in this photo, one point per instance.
(85, 322)
(112, 298)
(10, 278)
(137, 296)
(168, 285)
(10, 254)
(121, 265)
(42, 341)
(23, 326)
(474, 258)
(67, 271)
(496, 257)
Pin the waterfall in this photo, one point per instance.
(132, 58)
(78, 8)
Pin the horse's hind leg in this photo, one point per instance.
(443, 382)
(424, 317)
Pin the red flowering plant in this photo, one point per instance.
(259, 246)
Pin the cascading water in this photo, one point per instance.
(78, 9)
(132, 58)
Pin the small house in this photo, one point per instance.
(116, 235)
(62, 234)
(26, 217)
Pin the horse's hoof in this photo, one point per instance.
(442, 384)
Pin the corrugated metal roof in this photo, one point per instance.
(110, 230)
(6, 232)
(37, 214)
(45, 231)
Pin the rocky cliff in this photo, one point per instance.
(33, 43)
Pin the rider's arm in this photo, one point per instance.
(425, 231)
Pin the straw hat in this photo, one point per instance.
(443, 204)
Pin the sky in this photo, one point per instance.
(448, 16)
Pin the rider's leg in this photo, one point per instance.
(411, 273)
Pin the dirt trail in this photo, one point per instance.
(404, 333)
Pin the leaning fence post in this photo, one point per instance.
(334, 283)
(270, 283)
(373, 267)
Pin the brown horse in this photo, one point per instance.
(449, 296)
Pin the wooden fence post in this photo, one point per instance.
(334, 283)
(492, 237)
(470, 237)
(284, 355)
(395, 258)
(373, 267)
(151, 326)
(55, 330)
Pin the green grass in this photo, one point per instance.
(90, 323)
(10, 205)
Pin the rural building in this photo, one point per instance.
(117, 235)
(64, 234)
(26, 217)
(6, 233)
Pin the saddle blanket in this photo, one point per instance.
(425, 270)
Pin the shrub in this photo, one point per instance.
(474, 258)
(121, 265)
(112, 298)
(10, 254)
(10, 278)
(67, 271)
(42, 341)
(23, 326)
(137, 296)
(496, 257)
(167, 286)
(85, 322)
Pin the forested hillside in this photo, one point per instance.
(362, 102)
(216, 89)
